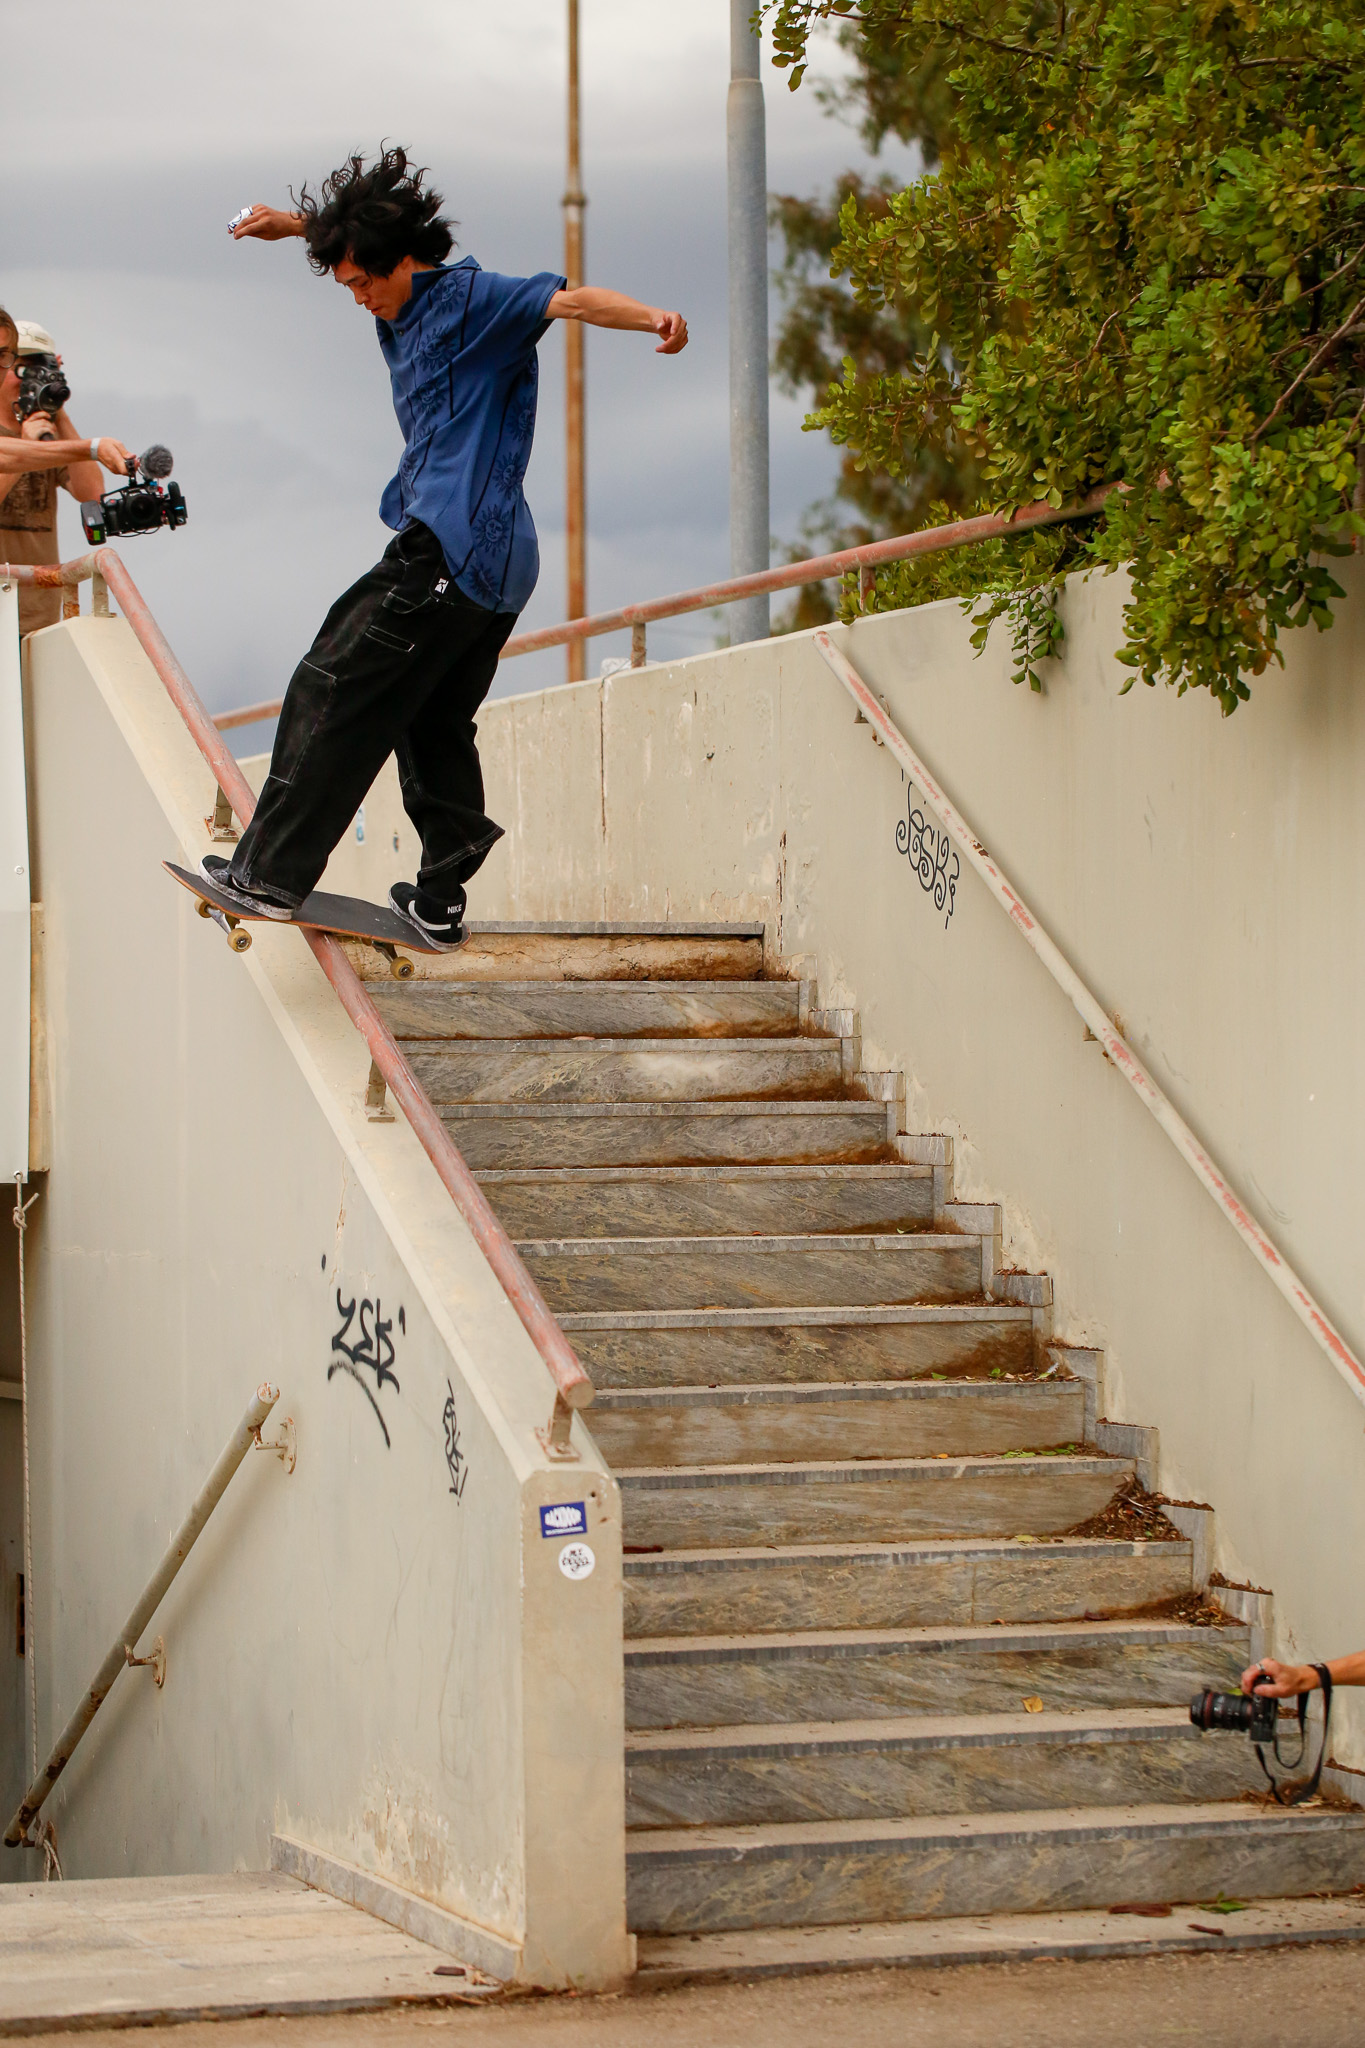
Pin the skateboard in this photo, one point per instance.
(343, 917)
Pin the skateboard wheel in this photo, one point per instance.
(401, 970)
(204, 909)
(239, 940)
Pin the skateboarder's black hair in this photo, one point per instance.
(374, 216)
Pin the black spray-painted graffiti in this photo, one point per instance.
(931, 854)
(456, 1460)
(372, 1348)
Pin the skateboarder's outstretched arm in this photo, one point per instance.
(592, 304)
(597, 307)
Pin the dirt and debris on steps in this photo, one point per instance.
(1133, 1515)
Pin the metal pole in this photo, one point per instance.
(747, 190)
(205, 1501)
(575, 451)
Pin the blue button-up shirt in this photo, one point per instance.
(462, 361)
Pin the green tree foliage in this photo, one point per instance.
(825, 328)
(1140, 261)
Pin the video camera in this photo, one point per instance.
(42, 387)
(139, 507)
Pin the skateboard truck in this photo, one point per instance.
(399, 968)
(238, 937)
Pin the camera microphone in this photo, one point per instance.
(157, 462)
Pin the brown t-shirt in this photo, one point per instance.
(28, 534)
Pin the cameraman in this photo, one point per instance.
(36, 455)
(1270, 1680)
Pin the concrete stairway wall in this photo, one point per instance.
(377, 1674)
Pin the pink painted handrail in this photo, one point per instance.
(1262, 1248)
(874, 554)
(573, 1388)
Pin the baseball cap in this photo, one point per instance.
(34, 340)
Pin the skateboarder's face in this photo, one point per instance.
(385, 297)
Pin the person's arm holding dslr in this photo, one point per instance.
(85, 479)
(1271, 1680)
(28, 452)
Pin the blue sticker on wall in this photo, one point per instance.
(566, 1518)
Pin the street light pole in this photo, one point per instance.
(747, 192)
(575, 522)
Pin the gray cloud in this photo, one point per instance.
(267, 382)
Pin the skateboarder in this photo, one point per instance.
(406, 656)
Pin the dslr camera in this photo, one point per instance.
(1240, 1713)
(42, 387)
(141, 506)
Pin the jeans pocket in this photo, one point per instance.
(392, 640)
(310, 692)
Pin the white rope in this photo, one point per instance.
(47, 1834)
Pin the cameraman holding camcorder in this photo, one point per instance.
(40, 449)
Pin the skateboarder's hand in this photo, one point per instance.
(268, 224)
(673, 328)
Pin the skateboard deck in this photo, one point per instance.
(344, 917)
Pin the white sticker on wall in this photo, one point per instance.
(576, 1561)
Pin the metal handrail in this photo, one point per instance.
(124, 1647)
(1121, 1054)
(874, 554)
(573, 1388)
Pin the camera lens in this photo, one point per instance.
(1230, 1710)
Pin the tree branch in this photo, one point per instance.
(1321, 356)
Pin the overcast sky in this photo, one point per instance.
(133, 132)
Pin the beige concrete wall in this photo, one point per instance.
(358, 1658)
(1205, 876)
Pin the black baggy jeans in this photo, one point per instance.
(401, 664)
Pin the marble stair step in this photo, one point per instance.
(704, 1507)
(710, 1201)
(827, 1872)
(503, 1134)
(665, 1961)
(896, 1585)
(764, 1346)
(924, 1765)
(580, 1274)
(593, 1009)
(869, 1419)
(627, 1069)
(535, 951)
(867, 1674)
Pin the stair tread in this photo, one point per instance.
(1010, 1635)
(1078, 1822)
(531, 927)
(961, 1549)
(798, 1470)
(818, 1316)
(764, 1044)
(740, 1105)
(912, 1731)
(594, 1176)
(989, 1937)
(757, 1393)
(743, 1245)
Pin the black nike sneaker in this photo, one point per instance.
(437, 920)
(218, 870)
